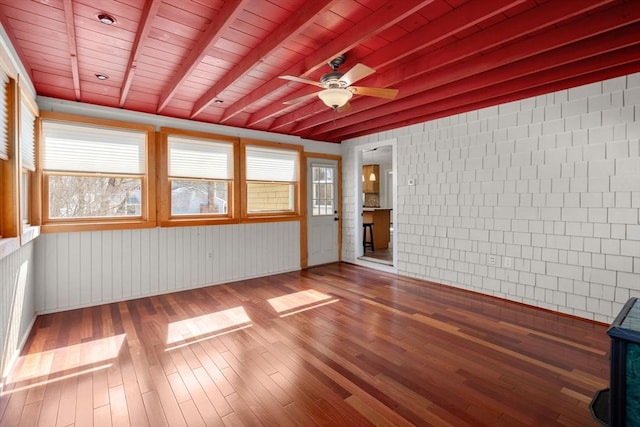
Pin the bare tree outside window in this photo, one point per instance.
(86, 197)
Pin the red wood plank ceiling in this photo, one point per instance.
(220, 61)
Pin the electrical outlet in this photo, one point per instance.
(507, 262)
(492, 260)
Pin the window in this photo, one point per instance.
(197, 177)
(271, 175)
(28, 112)
(322, 190)
(7, 226)
(96, 171)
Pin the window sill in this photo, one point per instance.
(271, 218)
(55, 227)
(188, 222)
(8, 245)
(29, 232)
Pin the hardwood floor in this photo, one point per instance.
(333, 345)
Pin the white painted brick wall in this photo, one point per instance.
(550, 182)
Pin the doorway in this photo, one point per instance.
(322, 211)
(376, 204)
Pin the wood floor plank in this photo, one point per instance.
(242, 415)
(50, 404)
(118, 406)
(191, 414)
(100, 389)
(154, 409)
(207, 362)
(102, 416)
(84, 401)
(167, 398)
(179, 389)
(135, 405)
(213, 393)
(30, 414)
(68, 400)
(261, 402)
(386, 350)
(14, 405)
(372, 414)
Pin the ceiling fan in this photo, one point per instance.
(337, 89)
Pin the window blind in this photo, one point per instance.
(82, 148)
(27, 136)
(271, 164)
(4, 115)
(194, 158)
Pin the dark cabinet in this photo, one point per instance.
(623, 408)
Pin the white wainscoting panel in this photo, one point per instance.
(17, 310)
(87, 268)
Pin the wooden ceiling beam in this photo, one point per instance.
(148, 14)
(534, 20)
(473, 90)
(454, 22)
(533, 67)
(388, 15)
(475, 103)
(67, 6)
(434, 71)
(221, 22)
(300, 20)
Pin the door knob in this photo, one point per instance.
(336, 218)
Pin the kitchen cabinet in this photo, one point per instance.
(381, 220)
(371, 176)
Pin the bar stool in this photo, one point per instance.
(367, 243)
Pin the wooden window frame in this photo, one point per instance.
(147, 218)
(9, 184)
(166, 218)
(28, 191)
(297, 213)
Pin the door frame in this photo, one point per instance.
(357, 205)
(304, 238)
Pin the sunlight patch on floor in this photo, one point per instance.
(65, 362)
(198, 328)
(298, 302)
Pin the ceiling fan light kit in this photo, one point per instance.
(335, 97)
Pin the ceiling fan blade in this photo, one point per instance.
(300, 80)
(300, 98)
(378, 92)
(359, 71)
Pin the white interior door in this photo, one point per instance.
(322, 211)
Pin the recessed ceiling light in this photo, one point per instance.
(218, 101)
(101, 76)
(106, 19)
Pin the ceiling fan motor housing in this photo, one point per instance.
(332, 80)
